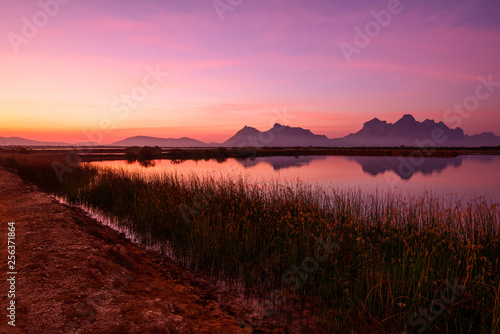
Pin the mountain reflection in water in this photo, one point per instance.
(462, 176)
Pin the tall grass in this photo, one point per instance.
(394, 256)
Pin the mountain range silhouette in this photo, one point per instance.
(406, 131)
(375, 133)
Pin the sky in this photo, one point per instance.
(102, 71)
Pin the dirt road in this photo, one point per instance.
(76, 276)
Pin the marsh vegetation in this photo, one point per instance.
(392, 260)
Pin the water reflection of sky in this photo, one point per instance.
(464, 176)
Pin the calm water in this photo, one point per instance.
(463, 176)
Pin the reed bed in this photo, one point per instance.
(395, 264)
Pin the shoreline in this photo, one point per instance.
(76, 275)
(89, 154)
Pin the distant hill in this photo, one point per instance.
(16, 141)
(162, 142)
(243, 138)
(408, 131)
(278, 135)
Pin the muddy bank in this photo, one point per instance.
(76, 276)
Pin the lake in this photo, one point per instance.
(462, 176)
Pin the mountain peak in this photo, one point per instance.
(278, 135)
(374, 121)
(407, 118)
(248, 128)
(247, 131)
(373, 125)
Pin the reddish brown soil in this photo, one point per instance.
(78, 276)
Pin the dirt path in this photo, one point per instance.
(76, 276)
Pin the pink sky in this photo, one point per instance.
(264, 56)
